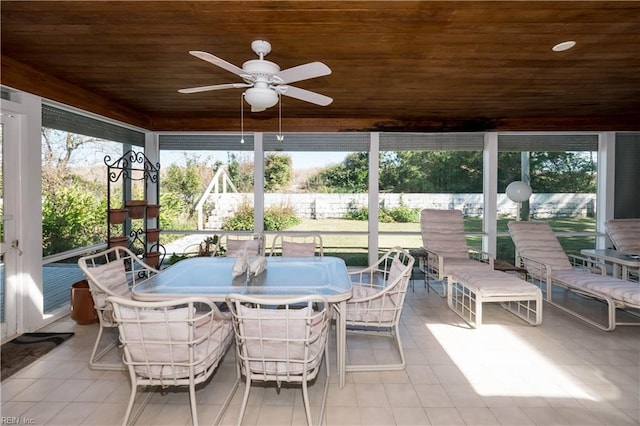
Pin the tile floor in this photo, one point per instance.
(563, 372)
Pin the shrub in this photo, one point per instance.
(276, 218)
(361, 213)
(401, 214)
(241, 221)
(404, 214)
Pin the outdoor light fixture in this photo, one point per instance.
(518, 191)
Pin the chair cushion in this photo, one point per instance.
(276, 340)
(377, 310)
(236, 247)
(495, 283)
(159, 341)
(536, 240)
(298, 249)
(396, 270)
(443, 232)
(454, 265)
(112, 279)
(625, 234)
(617, 289)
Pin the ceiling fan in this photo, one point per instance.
(264, 80)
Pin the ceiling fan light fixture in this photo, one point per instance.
(259, 97)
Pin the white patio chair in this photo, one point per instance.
(281, 340)
(546, 261)
(111, 273)
(377, 301)
(171, 343)
(445, 242)
(297, 245)
(233, 245)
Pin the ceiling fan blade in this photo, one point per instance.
(205, 56)
(305, 95)
(302, 72)
(215, 87)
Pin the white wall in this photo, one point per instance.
(326, 206)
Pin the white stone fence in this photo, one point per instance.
(327, 206)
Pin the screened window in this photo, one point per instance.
(319, 182)
(417, 171)
(74, 150)
(561, 170)
(206, 184)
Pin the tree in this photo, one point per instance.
(456, 172)
(185, 184)
(562, 172)
(431, 171)
(550, 171)
(352, 175)
(240, 170)
(278, 172)
(73, 207)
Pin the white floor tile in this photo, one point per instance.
(563, 372)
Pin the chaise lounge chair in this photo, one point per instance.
(445, 243)
(467, 275)
(545, 260)
(625, 234)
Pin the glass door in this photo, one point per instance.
(2, 249)
(8, 294)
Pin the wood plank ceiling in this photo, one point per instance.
(396, 65)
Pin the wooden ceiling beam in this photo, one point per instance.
(22, 77)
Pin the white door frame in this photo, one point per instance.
(23, 186)
(10, 140)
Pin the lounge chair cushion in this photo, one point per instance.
(495, 283)
(452, 265)
(625, 234)
(536, 240)
(614, 288)
(443, 233)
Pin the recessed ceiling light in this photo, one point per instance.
(565, 45)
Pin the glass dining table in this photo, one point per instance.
(284, 276)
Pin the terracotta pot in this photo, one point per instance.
(152, 235)
(152, 258)
(136, 208)
(82, 309)
(152, 210)
(118, 241)
(117, 215)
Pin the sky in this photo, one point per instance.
(300, 160)
(94, 154)
(305, 160)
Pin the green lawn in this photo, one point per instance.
(353, 248)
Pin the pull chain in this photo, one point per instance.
(242, 118)
(280, 137)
